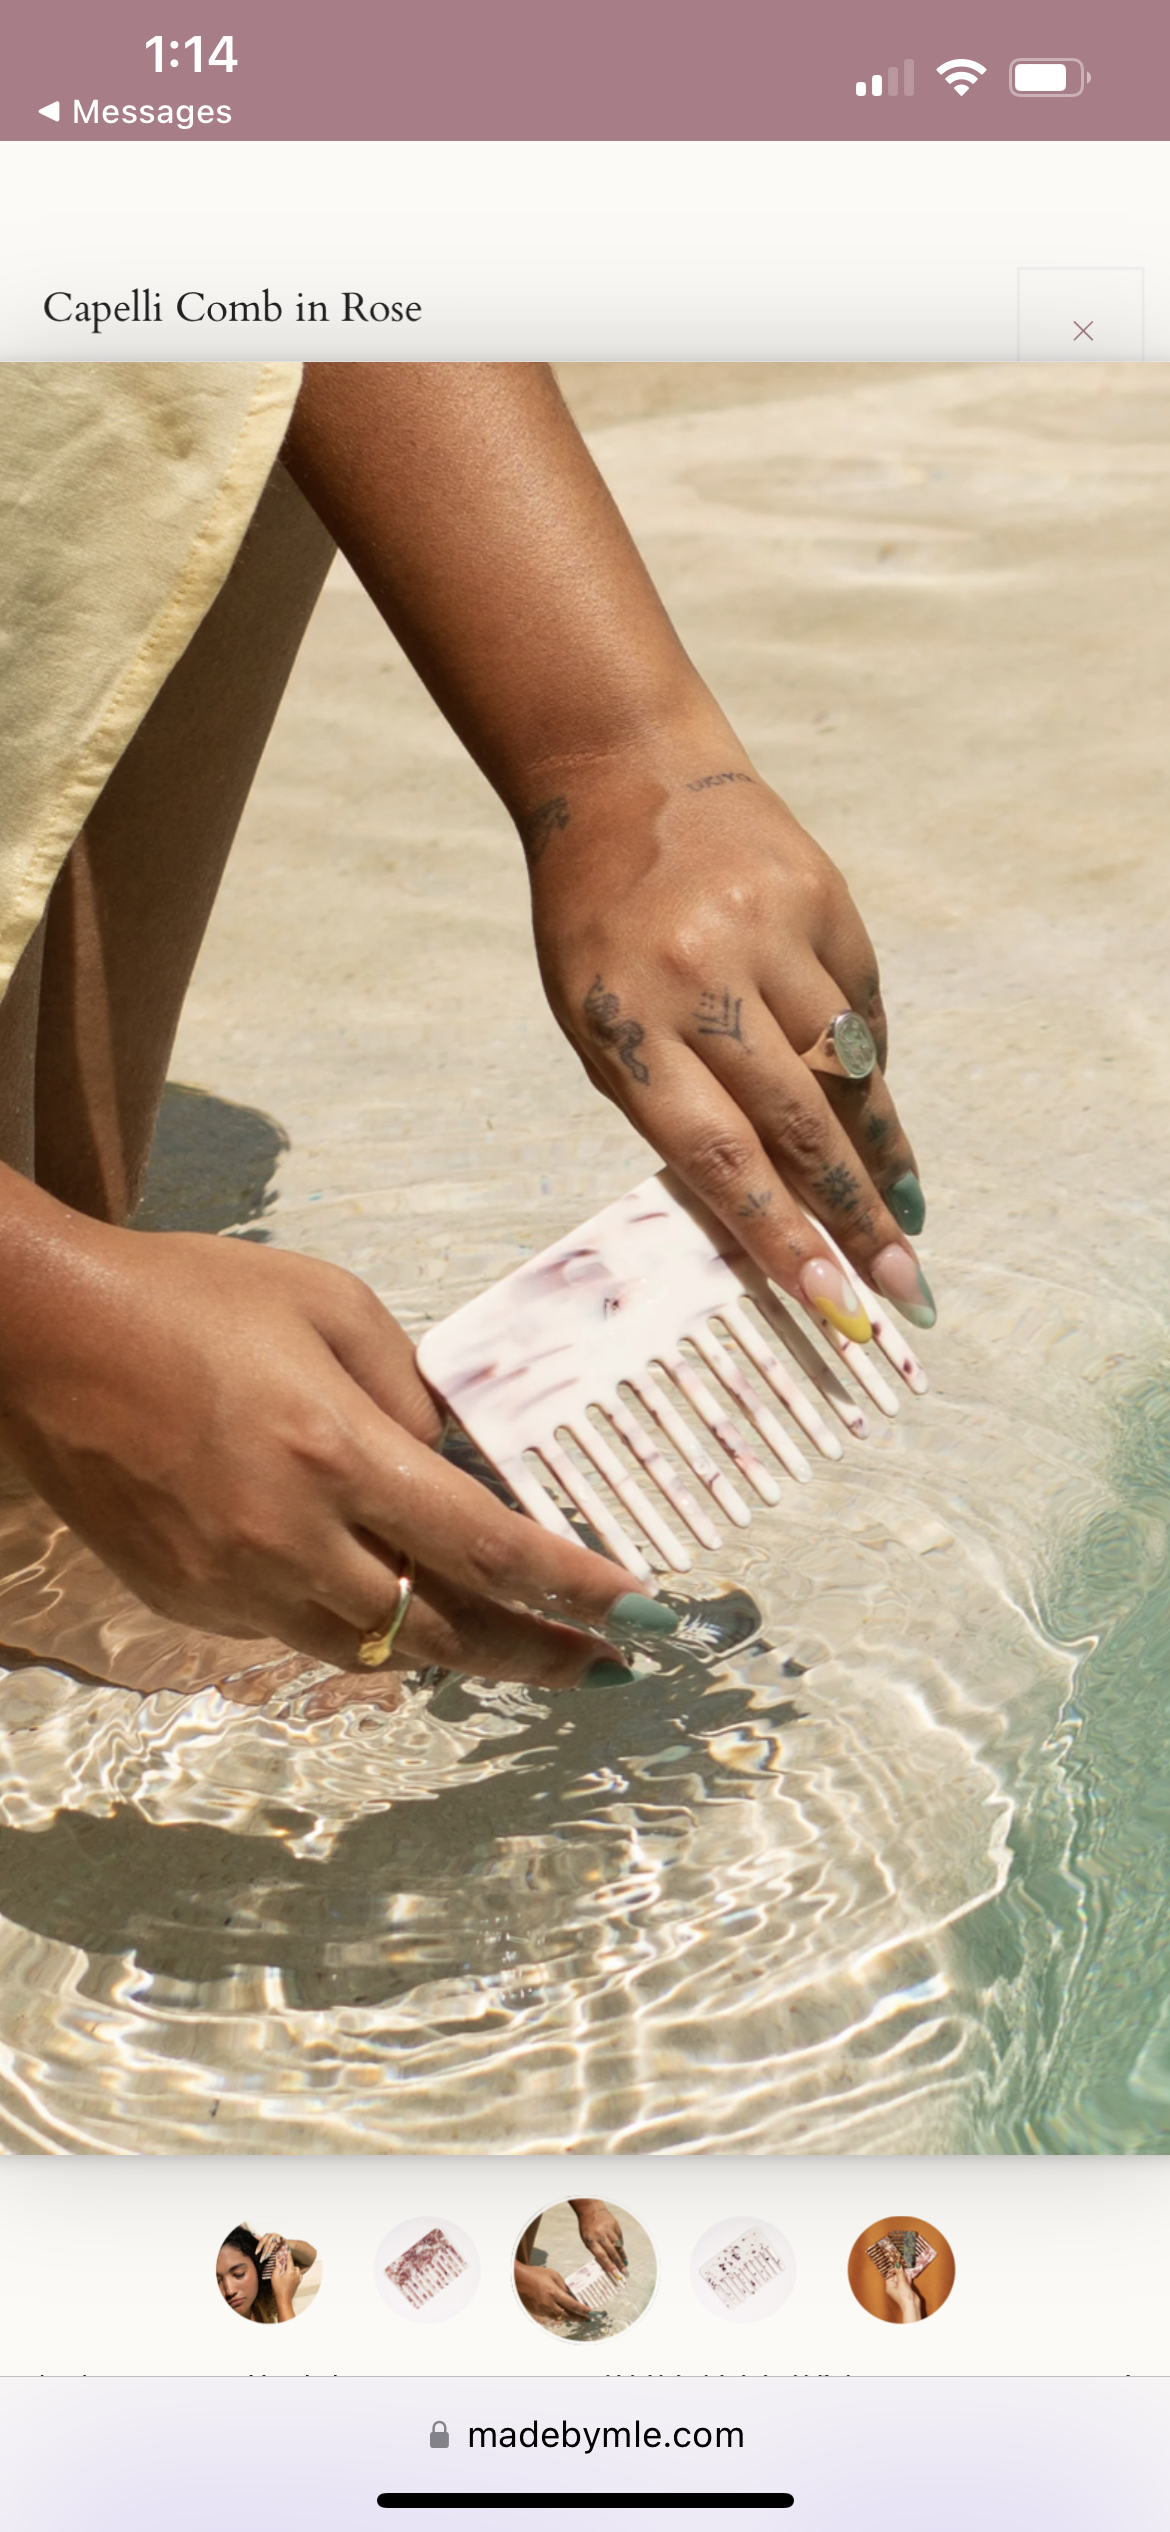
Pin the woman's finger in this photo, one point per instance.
(803, 1134)
(707, 1134)
(411, 1501)
(847, 955)
(453, 1630)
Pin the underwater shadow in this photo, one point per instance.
(212, 1165)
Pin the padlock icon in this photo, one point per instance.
(439, 2437)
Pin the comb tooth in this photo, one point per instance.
(634, 1496)
(535, 1497)
(719, 1361)
(864, 1370)
(588, 1501)
(697, 1459)
(658, 1469)
(893, 1345)
(802, 1410)
(812, 1364)
(739, 1452)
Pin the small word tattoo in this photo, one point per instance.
(718, 1016)
(538, 829)
(709, 782)
(603, 1012)
(758, 1202)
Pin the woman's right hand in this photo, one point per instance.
(902, 2292)
(544, 2294)
(286, 2277)
(243, 1437)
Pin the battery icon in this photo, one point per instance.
(1064, 78)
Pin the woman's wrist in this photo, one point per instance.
(48, 1255)
(689, 748)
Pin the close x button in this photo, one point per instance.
(1081, 312)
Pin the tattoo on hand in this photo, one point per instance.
(877, 1131)
(838, 1187)
(709, 782)
(537, 830)
(754, 1204)
(603, 1013)
(718, 1016)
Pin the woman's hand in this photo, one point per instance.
(268, 2246)
(243, 1438)
(902, 2292)
(602, 2234)
(544, 2294)
(694, 943)
(286, 2277)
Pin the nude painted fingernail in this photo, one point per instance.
(899, 1278)
(907, 1203)
(830, 1292)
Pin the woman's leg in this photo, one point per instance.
(129, 910)
(86, 1030)
(18, 1053)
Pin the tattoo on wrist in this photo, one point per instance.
(710, 782)
(758, 1202)
(539, 827)
(718, 1015)
(603, 1013)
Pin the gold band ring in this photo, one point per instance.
(845, 1048)
(375, 1648)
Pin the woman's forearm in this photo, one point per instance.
(468, 504)
(47, 1255)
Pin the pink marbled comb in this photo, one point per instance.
(592, 2287)
(570, 1344)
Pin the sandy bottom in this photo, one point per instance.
(895, 1882)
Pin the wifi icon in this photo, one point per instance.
(962, 75)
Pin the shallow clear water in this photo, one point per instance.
(894, 1881)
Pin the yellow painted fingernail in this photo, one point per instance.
(831, 1292)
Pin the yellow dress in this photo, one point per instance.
(125, 492)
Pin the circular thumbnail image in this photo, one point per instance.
(427, 2272)
(266, 2276)
(743, 2269)
(901, 2269)
(584, 2269)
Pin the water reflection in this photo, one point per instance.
(891, 1879)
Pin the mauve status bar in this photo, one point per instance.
(623, 70)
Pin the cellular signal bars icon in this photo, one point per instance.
(877, 86)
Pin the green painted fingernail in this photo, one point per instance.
(634, 1614)
(907, 1203)
(606, 1675)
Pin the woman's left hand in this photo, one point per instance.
(602, 2235)
(694, 943)
(267, 2247)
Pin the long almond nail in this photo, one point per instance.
(634, 1614)
(833, 1295)
(899, 1278)
(907, 1203)
(606, 1675)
